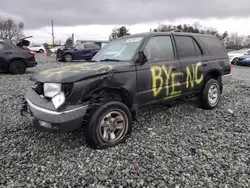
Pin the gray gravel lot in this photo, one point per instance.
(182, 146)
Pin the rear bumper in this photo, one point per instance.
(226, 79)
(39, 111)
(31, 64)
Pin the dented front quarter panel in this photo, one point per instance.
(92, 76)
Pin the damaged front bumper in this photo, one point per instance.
(42, 114)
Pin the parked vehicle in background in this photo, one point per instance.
(83, 51)
(100, 43)
(233, 55)
(54, 50)
(243, 60)
(37, 48)
(145, 69)
(16, 58)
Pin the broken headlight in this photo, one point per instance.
(54, 91)
(51, 89)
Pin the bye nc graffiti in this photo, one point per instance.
(165, 78)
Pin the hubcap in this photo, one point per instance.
(113, 126)
(18, 67)
(213, 94)
(68, 58)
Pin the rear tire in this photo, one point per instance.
(108, 125)
(209, 97)
(17, 67)
(41, 51)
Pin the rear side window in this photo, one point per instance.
(159, 48)
(187, 47)
(213, 45)
(197, 49)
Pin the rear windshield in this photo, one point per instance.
(214, 46)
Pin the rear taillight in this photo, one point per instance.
(31, 53)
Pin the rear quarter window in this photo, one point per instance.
(213, 45)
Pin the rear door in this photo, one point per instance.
(90, 50)
(159, 78)
(6, 53)
(191, 57)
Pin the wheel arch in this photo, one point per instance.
(16, 59)
(119, 94)
(215, 74)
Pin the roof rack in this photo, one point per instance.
(172, 30)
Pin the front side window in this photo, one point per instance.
(159, 48)
(122, 49)
(91, 45)
(80, 47)
(248, 52)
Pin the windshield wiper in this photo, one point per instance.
(110, 60)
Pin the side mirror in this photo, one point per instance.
(75, 49)
(142, 58)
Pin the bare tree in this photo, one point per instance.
(10, 29)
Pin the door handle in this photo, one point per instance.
(204, 64)
(174, 69)
(8, 52)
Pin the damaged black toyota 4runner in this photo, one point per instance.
(105, 94)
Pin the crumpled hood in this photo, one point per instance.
(76, 72)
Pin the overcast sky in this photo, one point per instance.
(94, 19)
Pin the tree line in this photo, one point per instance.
(11, 29)
(230, 41)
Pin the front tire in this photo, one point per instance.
(41, 51)
(209, 97)
(17, 67)
(108, 125)
(67, 58)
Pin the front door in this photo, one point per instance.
(160, 77)
(78, 52)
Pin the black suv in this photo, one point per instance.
(16, 58)
(128, 73)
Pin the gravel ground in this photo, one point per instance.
(182, 146)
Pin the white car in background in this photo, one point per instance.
(234, 55)
(53, 50)
(37, 48)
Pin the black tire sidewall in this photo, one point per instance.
(17, 71)
(92, 127)
(66, 56)
(204, 94)
(41, 51)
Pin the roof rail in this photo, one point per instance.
(172, 30)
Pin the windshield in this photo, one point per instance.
(122, 49)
